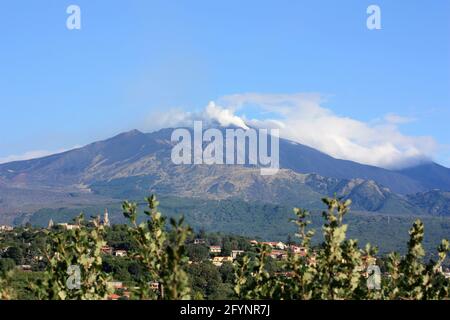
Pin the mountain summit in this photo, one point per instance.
(133, 162)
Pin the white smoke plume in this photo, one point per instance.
(301, 118)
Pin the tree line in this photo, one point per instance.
(164, 264)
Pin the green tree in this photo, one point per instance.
(15, 253)
(74, 269)
(162, 253)
(227, 272)
(6, 291)
(336, 269)
(205, 278)
(6, 265)
(197, 252)
(410, 278)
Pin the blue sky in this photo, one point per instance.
(62, 88)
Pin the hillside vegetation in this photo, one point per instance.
(264, 221)
(334, 268)
(134, 164)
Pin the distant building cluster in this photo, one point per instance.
(5, 228)
(111, 251)
(279, 250)
(67, 226)
(217, 255)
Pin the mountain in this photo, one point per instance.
(431, 175)
(366, 195)
(135, 153)
(133, 164)
(434, 202)
(303, 159)
(102, 160)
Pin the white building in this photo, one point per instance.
(5, 228)
(69, 226)
(215, 249)
(235, 253)
(120, 253)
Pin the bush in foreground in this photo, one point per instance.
(335, 269)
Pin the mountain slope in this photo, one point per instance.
(96, 161)
(434, 202)
(133, 164)
(304, 159)
(134, 153)
(431, 175)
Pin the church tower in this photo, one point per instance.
(106, 219)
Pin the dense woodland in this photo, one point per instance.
(269, 222)
(168, 260)
(25, 245)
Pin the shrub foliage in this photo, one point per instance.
(337, 268)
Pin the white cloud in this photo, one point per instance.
(397, 119)
(225, 117)
(25, 156)
(302, 118)
(176, 117)
(28, 155)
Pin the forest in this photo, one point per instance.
(163, 258)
